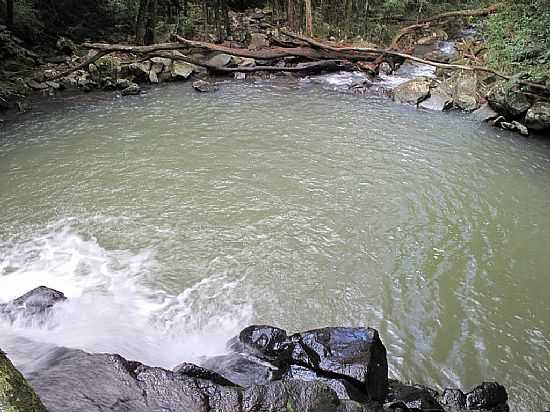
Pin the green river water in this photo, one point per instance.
(174, 219)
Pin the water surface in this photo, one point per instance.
(174, 219)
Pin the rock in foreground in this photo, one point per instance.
(340, 369)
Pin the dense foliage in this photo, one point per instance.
(518, 38)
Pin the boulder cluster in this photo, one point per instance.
(337, 369)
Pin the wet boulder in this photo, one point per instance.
(488, 396)
(538, 116)
(243, 370)
(413, 91)
(345, 390)
(415, 397)
(32, 307)
(507, 101)
(193, 371)
(356, 354)
(453, 400)
(264, 341)
(285, 396)
(16, 395)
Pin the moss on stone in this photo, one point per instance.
(16, 395)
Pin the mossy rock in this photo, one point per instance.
(16, 395)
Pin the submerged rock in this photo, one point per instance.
(33, 307)
(131, 90)
(16, 395)
(538, 116)
(515, 127)
(204, 87)
(413, 91)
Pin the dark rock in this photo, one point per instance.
(484, 113)
(486, 396)
(497, 121)
(343, 388)
(57, 59)
(33, 84)
(131, 90)
(350, 353)
(204, 87)
(122, 84)
(66, 46)
(263, 340)
(453, 400)
(4, 105)
(33, 306)
(538, 116)
(243, 370)
(508, 102)
(286, 396)
(350, 406)
(413, 91)
(414, 396)
(193, 371)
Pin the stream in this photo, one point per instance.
(174, 219)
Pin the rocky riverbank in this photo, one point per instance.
(509, 104)
(340, 369)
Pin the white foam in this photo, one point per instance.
(109, 307)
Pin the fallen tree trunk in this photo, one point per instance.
(323, 53)
(422, 24)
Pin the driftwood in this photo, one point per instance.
(322, 57)
(426, 23)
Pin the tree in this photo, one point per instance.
(9, 13)
(309, 18)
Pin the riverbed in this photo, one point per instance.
(173, 219)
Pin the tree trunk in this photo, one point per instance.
(151, 26)
(9, 13)
(309, 18)
(141, 21)
(291, 14)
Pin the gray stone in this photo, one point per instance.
(222, 60)
(484, 113)
(538, 116)
(515, 126)
(258, 41)
(131, 90)
(465, 95)
(33, 84)
(163, 61)
(507, 101)
(182, 70)
(123, 84)
(153, 78)
(385, 68)
(439, 100)
(413, 91)
(204, 87)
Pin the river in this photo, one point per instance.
(172, 220)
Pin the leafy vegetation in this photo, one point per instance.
(518, 39)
